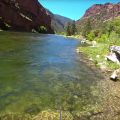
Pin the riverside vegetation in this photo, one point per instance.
(106, 35)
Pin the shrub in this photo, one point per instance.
(114, 39)
(42, 29)
(103, 38)
(91, 36)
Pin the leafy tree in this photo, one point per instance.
(114, 38)
(110, 28)
(73, 28)
(116, 24)
(103, 38)
(97, 32)
(91, 36)
(87, 28)
(68, 29)
(42, 29)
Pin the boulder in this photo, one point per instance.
(112, 57)
(115, 75)
(115, 49)
(94, 43)
(83, 41)
(115, 54)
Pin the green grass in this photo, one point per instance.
(102, 50)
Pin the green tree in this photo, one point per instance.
(42, 29)
(87, 28)
(103, 38)
(116, 24)
(110, 28)
(91, 36)
(68, 29)
(73, 28)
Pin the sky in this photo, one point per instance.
(73, 9)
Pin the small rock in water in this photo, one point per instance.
(77, 50)
(83, 41)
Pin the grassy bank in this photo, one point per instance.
(98, 53)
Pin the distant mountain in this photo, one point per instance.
(98, 14)
(24, 15)
(59, 22)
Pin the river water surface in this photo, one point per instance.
(39, 72)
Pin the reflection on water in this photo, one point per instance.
(39, 72)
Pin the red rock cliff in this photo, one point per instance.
(99, 13)
(107, 11)
(24, 15)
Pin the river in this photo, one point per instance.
(39, 72)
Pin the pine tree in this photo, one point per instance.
(87, 28)
(68, 29)
(73, 28)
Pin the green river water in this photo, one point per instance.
(40, 72)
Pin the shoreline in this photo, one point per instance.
(109, 94)
(90, 62)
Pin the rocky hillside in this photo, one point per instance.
(99, 13)
(59, 22)
(24, 15)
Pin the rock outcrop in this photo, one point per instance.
(24, 15)
(106, 11)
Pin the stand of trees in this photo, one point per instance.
(103, 32)
(71, 29)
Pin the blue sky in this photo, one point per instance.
(73, 9)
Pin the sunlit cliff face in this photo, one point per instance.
(23, 15)
(108, 10)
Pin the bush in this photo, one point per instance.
(42, 29)
(91, 36)
(114, 39)
(103, 38)
(116, 24)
